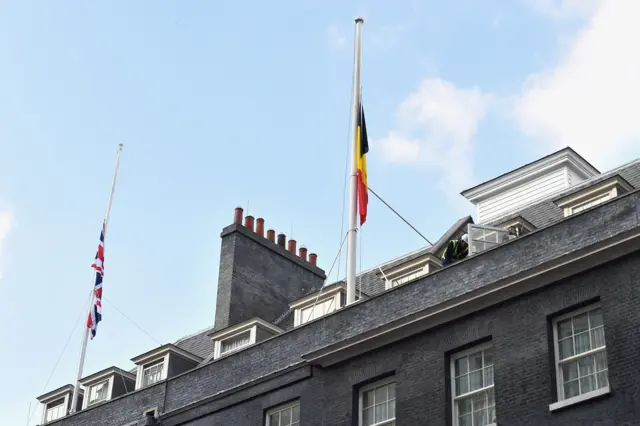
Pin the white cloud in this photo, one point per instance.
(435, 130)
(563, 9)
(336, 37)
(6, 224)
(591, 99)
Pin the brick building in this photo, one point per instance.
(537, 326)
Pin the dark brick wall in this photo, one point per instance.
(259, 278)
(524, 379)
(538, 248)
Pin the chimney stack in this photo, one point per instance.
(292, 246)
(260, 226)
(271, 235)
(248, 222)
(281, 239)
(237, 216)
(302, 252)
(313, 259)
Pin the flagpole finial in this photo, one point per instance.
(359, 19)
(120, 146)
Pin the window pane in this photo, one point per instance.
(480, 418)
(285, 417)
(597, 337)
(571, 389)
(475, 380)
(464, 406)
(488, 376)
(367, 416)
(566, 348)
(569, 371)
(587, 384)
(465, 420)
(274, 419)
(564, 329)
(381, 394)
(580, 323)
(380, 412)
(367, 399)
(601, 361)
(462, 386)
(392, 409)
(461, 366)
(602, 379)
(582, 343)
(479, 401)
(586, 365)
(295, 414)
(475, 361)
(595, 318)
(392, 391)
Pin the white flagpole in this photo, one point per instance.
(85, 334)
(353, 200)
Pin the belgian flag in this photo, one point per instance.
(362, 149)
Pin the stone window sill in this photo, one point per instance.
(580, 398)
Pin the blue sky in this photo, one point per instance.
(225, 103)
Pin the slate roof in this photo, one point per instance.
(197, 343)
(544, 213)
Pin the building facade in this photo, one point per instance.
(537, 326)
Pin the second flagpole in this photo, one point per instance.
(353, 195)
(85, 334)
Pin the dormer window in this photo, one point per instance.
(312, 307)
(236, 342)
(55, 410)
(99, 392)
(57, 403)
(593, 195)
(105, 385)
(163, 363)
(240, 336)
(409, 271)
(153, 373)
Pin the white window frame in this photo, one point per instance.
(87, 394)
(611, 188)
(280, 408)
(419, 267)
(217, 347)
(561, 401)
(48, 407)
(363, 389)
(454, 358)
(251, 325)
(299, 306)
(152, 363)
(501, 232)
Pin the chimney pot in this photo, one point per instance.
(313, 259)
(271, 235)
(260, 226)
(248, 222)
(302, 252)
(237, 216)
(292, 246)
(281, 239)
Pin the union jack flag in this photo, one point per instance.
(95, 316)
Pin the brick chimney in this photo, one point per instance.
(260, 276)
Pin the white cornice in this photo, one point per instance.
(327, 292)
(564, 158)
(244, 326)
(161, 351)
(57, 393)
(615, 181)
(105, 374)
